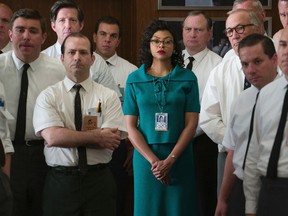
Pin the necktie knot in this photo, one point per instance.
(191, 58)
(25, 67)
(77, 87)
(247, 84)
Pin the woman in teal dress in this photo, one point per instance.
(161, 109)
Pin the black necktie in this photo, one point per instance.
(82, 163)
(21, 113)
(190, 64)
(274, 156)
(247, 84)
(250, 131)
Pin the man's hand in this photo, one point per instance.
(110, 138)
(221, 209)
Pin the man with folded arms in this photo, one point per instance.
(82, 123)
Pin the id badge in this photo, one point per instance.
(161, 121)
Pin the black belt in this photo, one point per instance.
(277, 179)
(30, 142)
(74, 170)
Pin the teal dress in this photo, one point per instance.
(174, 94)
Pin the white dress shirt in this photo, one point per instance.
(43, 72)
(99, 71)
(120, 69)
(55, 107)
(238, 127)
(7, 48)
(229, 54)
(5, 137)
(225, 83)
(266, 119)
(204, 62)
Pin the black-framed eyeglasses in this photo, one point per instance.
(157, 42)
(239, 29)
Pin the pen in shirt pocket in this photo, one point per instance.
(99, 109)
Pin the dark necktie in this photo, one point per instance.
(82, 163)
(190, 64)
(250, 131)
(247, 84)
(274, 157)
(1, 51)
(2, 155)
(21, 113)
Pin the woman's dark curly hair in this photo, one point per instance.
(145, 55)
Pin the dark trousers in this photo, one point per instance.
(236, 203)
(205, 157)
(28, 172)
(6, 199)
(76, 194)
(120, 176)
(273, 197)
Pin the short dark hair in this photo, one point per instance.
(254, 39)
(58, 5)
(108, 20)
(196, 13)
(145, 56)
(28, 13)
(76, 35)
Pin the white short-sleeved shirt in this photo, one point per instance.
(99, 71)
(266, 119)
(4, 129)
(43, 72)
(55, 107)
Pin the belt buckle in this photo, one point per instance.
(27, 143)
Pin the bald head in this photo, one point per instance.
(283, 52)
(254, 5)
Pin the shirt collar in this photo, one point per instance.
(86, 84)
(113, 59)
(19, 64)
(197, 57)
(58, 49)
